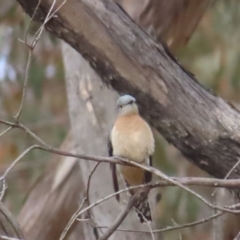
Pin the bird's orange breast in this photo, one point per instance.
(132, 138)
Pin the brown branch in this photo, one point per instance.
(5, 131)
(172, 228)
(120, 218)
(9, 226)
(91, 219)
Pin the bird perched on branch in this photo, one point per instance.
(131, 137)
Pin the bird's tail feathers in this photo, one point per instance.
(142, 208)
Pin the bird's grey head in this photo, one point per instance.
(127, 105)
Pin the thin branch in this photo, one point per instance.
(5, 131)
(24, 92)
(86, 199)
(72, 220)
(31, 47)
(228, 174)
(89, 181)
(79, 213)
(149, 225)
(120, 218)
(171, 228)
(176, 183)
(91, 219)
(12, 165)
(29, 25)
(48, 17)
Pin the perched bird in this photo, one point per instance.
(132, 138)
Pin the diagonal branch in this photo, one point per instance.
(120, 218)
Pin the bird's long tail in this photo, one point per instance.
(143, 209)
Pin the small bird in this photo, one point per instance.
(131, 137)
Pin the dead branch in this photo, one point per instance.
(171, 228)
(9, 228)
(120, 218)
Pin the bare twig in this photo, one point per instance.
(26, 77)
(72, 220)
(120, 218)
(91, 219)
(148, 223)
(24, 92)
(48, 17)
(29, 25)
(31, 47)
(89, 181)
(179, 233)
(12, 165)
(171, 228)
(5, 131)
(228, 174)
(167, 178)
(80, 212)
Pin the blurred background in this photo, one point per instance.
(212, 54)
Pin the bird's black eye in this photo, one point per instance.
(131, 102)
(120, 106)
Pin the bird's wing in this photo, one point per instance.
(113, 168)
(147, 174)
